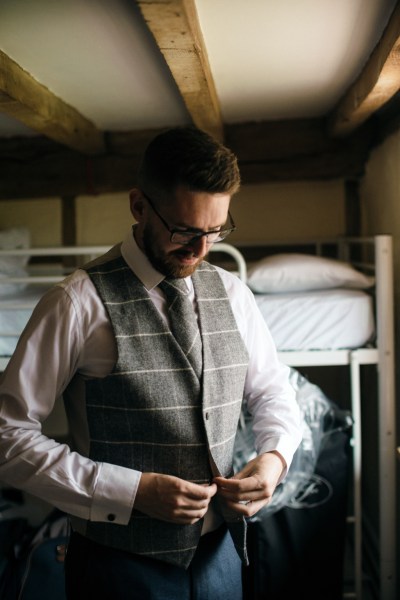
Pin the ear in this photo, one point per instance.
(136, 204)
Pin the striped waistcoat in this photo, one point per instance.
(153, 414)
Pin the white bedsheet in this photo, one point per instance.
(15, 310)
(323, 320)
(320, 320)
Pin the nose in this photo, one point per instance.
(199, 246)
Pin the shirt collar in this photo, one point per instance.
(140, 264)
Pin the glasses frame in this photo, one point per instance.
(194, 236)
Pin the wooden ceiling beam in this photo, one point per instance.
(377, 83)
(25, 99)
(175, 26)
(297, 150)
(267, 152)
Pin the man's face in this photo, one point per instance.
(194, 211)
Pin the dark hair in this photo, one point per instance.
(189, 157)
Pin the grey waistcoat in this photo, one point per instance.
(153, 414)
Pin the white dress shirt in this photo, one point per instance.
(69, 339)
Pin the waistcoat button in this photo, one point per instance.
(111, 517)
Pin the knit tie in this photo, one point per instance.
(183, 321)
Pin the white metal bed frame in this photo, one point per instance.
(382, 355)
(48, 274)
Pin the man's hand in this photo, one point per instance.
(250, 489)
(172, 499)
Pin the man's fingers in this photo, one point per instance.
(239, 488)
(172, 499)
(201, 492)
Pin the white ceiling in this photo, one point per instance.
(284, 59)
(270, 59)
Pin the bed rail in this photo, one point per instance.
(89, 253)
(373, 255)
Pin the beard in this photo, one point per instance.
(168, 263)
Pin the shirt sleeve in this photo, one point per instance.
(269, 396)
(47, 357)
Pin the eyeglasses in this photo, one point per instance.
(188, 236)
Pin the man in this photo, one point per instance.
(156, 510)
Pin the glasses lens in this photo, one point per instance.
(218, 236)
(187, 237)
(182, 237)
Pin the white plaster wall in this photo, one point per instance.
(265, 212)
(262, 213)
(380, 194)
(103, 219)
(41, 216)
(288, 211)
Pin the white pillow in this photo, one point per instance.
(303, 272)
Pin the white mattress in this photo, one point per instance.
(15, 310)
(321, 320)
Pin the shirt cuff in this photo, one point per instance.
(114, 494)
(283, 446)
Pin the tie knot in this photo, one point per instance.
(171, 286)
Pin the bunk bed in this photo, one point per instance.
(375, 347)
(26, 273)
(370, 343)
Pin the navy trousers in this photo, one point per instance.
(96, 571)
